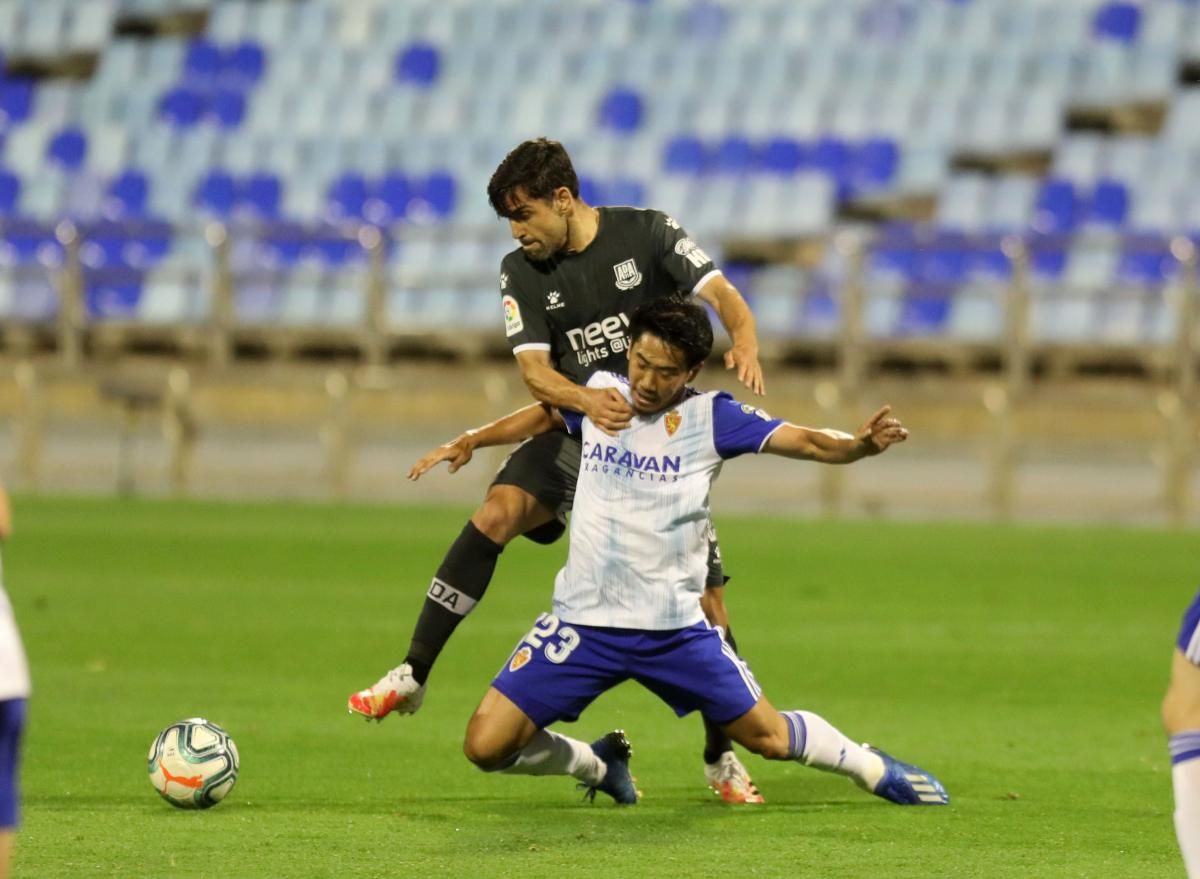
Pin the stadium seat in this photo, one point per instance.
(1109, 204)
(216, 193)
(1056, 207)
(182, 107)
(202, 62)
(259, 196)
(418, 64)
(10, 193)
(734, 154)
(1117, 21)
(685, 154)
(781, 155)
(244, 64)
(621, 110)
(227, 107)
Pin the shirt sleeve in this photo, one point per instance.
(689, 266)
(739, 428)
(573, 420)
(524, 323)
(601, 379)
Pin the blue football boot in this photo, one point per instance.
(906, 784)
(614, 749)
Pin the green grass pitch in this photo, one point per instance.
(1023, 665)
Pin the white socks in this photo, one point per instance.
(1185, 777)
(549, 753)
(817, 743)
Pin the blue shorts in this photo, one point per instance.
(12, 725)
(558, 669)
(1189, 632)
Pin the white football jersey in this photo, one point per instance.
(639, 527)
(14, 670)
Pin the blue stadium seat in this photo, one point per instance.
(435, 197)
(924, 311)
(622, 110)
(16, 100)
(260, 194)
(112, 293)
(227, 107)
(244, 64)
(388, 201)
(1056, 208)
(1047, 262)
(734, 154)
(67, 148)
(182, 106)
(1147, 263)
(1117, 21)
(418, 64)
(1109, 204)
(202, 61)
(781, 155)
(347, 197)
(216, 193)
(10, 193)
(875, 162)
(685, 154)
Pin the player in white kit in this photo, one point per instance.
(14, 690)
(1181, 718)
(627, 603)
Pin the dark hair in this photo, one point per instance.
(678, 322)
(539, 166)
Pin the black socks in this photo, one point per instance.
(460, 583)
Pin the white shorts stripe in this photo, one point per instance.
(1193, 648)
(744, 670)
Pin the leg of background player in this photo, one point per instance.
(1181, 718)
(459, 584)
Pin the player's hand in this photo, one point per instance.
(880, 431)
(749, 372)
(608, 410)
(458, 452)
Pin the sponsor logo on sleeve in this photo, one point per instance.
(670, 221)
(689, 250)
(627, 274)
(512, 317)
(504, 280)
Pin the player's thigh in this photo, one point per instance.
(557, 670)
(694, 669)
(1181, 705)
(545, 467)
(508, 512)
(497, 730)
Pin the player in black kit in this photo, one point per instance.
(567, 293)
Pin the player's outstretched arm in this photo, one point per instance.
(738, 320)
(834, 446)
(528, 421)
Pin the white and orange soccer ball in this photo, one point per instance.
(193, 764)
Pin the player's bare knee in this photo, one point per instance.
(486, 750)
(1180, 710)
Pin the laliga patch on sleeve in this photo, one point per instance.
(753, 410)
(512, 317)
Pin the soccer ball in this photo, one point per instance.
(193, 764)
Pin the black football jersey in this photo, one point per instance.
(577, 306)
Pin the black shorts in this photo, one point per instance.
(547, 467)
